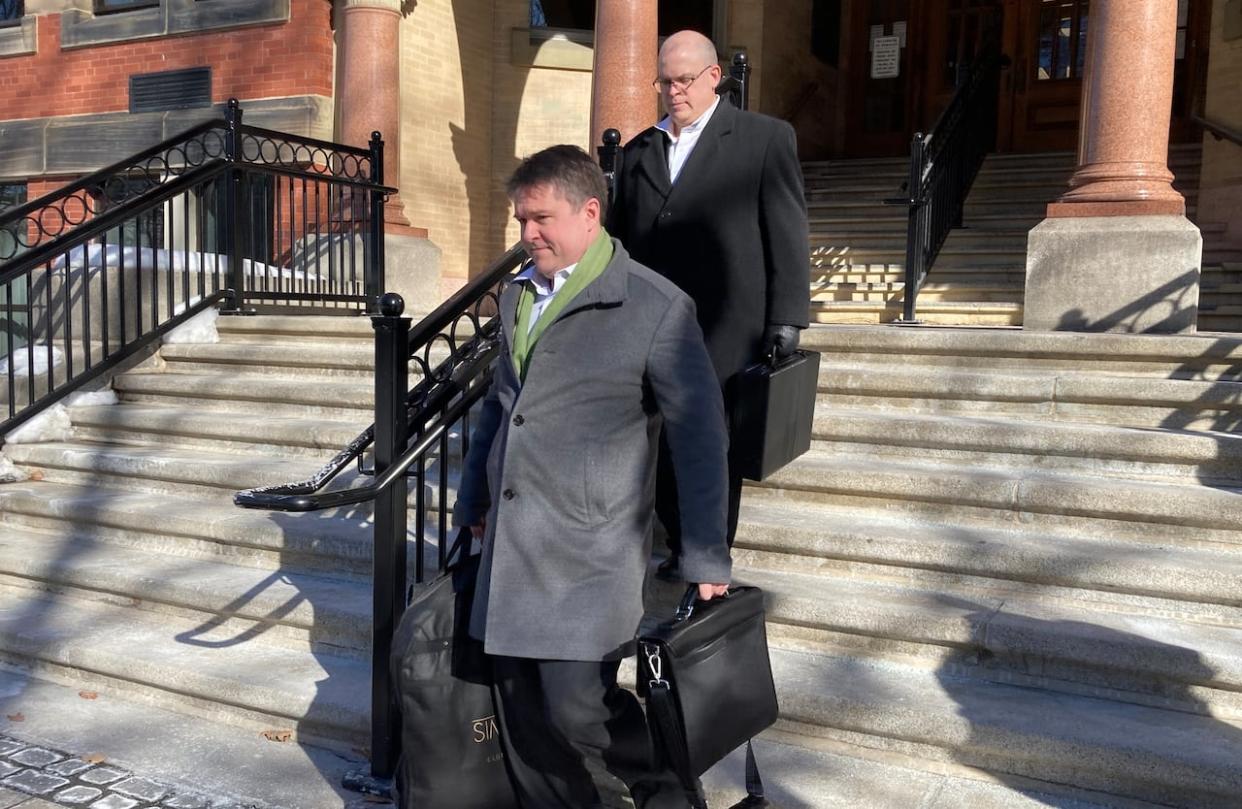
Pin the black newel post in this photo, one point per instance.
(233, 209)
(915, 229)
(374, 274)
(608, 154)
(739, 70)
(392, 346)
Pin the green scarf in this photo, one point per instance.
(589, 267)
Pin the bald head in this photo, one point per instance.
(688, 77)
(692, 43)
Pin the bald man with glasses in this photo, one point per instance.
(711, 198)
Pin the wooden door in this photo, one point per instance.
(1048, 43)
(1046, 76)
(880, 120)
(957, 32)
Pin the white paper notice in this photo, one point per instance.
(899, 31)
(886, 58)
(877, 31)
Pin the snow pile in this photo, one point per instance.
(20, 360)
(51, 425)
(10, 473)
(199, 329)
(95, 257)
(93, 398)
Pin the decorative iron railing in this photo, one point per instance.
(943, 166)
(421, 434)
(224, 214)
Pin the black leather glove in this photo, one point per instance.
(780, 339)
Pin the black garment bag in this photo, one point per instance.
(451, 756)
(772, 413)
(708, 683)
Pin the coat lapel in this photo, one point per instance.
(703, 159)
(652, 163)
(508, 311)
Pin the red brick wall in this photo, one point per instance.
(266, 61)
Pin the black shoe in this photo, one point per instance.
(669, 569)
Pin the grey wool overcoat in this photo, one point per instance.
(563, 467)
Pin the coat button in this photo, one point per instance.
(666, 214)
(508, 494)
(518, 420)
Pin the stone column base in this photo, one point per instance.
(412, 270)
(1113, 273)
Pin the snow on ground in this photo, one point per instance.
(93, 398)
(199, 329)
(20, 360)
(10, 473)
(51, 425)
(96, 257)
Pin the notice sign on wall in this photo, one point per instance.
(886, 58)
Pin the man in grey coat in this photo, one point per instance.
(597, 351)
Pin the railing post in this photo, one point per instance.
(374, 275)
(392, 346)
(915, 231)
(233, 211)
(608, 152)
(739, 69)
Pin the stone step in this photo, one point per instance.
(1131, 751)
(297, 610)
(1102, 449)
(948, 313)
(1199, 357)
(1001, 496)
(350, 360)
(1143, 401)
(338, 541)
(894, 292)
(826, 272)
(1067, 646)
(263, 328)
(252, 392)
(166, 426)
(186, 664)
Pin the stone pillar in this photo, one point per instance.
(1127, 98)
(1116, 252)
(369, 95)
(625, 65)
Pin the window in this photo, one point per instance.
(11, 12)
(11, 195)
(580, 15)
(111, 6)
(1062, 39)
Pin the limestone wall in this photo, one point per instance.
(796, 86)
(446, 100)
(1220, 191)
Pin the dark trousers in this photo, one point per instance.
(668, 510)
(561, 718)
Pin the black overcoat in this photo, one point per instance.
(732, 231)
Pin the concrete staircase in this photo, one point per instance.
(858, 243)
(1010, 560)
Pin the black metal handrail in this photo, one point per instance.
(414, 427)
(222, 214)
(1218, 130)
(943, 166)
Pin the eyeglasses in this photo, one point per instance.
(679, 83)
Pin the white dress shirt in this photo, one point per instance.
(544, 290)
(680, 146)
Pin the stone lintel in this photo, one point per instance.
(80, 144)
(1128, 274)
(80, 27)
(20, 39)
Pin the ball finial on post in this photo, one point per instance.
(391, 304)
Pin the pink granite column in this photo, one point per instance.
(369, 95)
(625, 65)
(1123, 146)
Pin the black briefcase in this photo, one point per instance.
(451, 756)
(708, 683)
(772, 415)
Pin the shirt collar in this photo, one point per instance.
(541, 284)
(666, 124)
